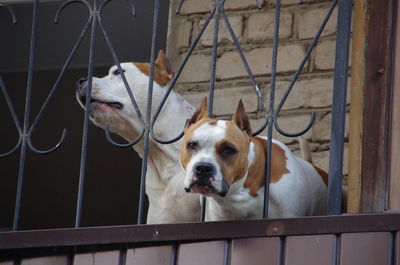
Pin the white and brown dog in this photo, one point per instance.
(111, 108)
(223, 161)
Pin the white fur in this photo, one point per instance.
(164, 186)
(206, 151)
(298, 193)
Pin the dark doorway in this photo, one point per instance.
(50, 186)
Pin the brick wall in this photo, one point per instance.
(254, 29)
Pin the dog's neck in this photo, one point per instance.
(164, 157)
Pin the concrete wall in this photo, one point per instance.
(254, 29)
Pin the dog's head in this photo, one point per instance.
(111, 106)
(215, 152)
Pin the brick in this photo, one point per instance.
(314, 93)
(292, 2)
(289, 123)
(183, 33)
(289, 57)
(224, 96)
(223, 33)
(321, 159)
(203, 6)
(325, 55)
(195, 6)
(240, 4)
(310, 20)
(261, 26)
(197, 69)
(322, 128)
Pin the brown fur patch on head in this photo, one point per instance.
(161, 77)
(241, 119)
(188, 134)
(234, 167)
(200, 113)
(256, 174)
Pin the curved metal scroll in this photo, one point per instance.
(217, 11)
(15, 119)
(297, 74)
(7, 97)
(11, 11)
(124, 80)
(58, 81)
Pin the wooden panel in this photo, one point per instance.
(206, 253)
(149, 256)
(254, 251)
(53, 260)
(309, 250)
(370, 105)
(376, 100)
(365, 249)
(394, 188)
(97, 258)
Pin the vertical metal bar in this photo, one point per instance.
(21, 170)
(392, 248)
(218, 6)
(281, 255)
(227, 252)
(336, 250)
(174, 255)
(141, 218)
(85, 134)
(339, 108)
(122, 255)
(271, 115)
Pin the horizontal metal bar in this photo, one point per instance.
(199, 231)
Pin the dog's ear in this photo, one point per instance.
(163, 63)
(200, 113)
(241, 119)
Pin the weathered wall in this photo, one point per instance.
(254, 29)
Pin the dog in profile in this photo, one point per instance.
(223, 161)
(111, 108)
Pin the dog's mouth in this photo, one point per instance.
(204, 189)
(112, 104)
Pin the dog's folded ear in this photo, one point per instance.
(200, 113)
(241, 119)
(163, 63)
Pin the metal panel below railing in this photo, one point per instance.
(365, 239)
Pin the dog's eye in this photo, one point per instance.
(228, 151)
(192, 146)
(118, 72)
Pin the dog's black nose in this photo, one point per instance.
(81, 82)
(204, 169)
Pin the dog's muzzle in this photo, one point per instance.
(204, 173)
(81, 91)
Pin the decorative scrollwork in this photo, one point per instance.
(11, 11)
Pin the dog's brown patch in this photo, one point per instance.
(256, 174)
(233, 168)
(322, 173)
(161, 77)
(213, 122)
(185, 155)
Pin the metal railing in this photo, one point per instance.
(148, 119)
